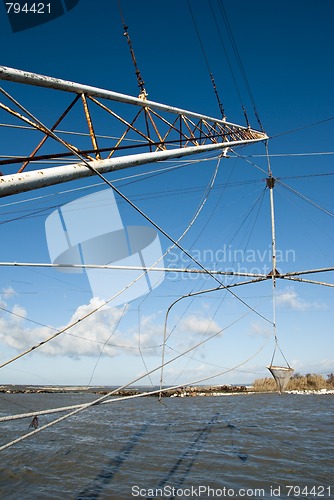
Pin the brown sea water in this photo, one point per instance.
(238, 446)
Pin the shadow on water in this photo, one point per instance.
(181, 469)
(243, 456)
(105, 476)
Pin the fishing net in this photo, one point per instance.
(282, 375)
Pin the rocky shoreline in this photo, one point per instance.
(187, 391)
(190, 391)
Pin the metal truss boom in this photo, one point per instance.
(164, 138)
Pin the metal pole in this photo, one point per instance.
(270, 184)
(112, 267)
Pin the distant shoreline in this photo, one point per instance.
(191, 391)
(102, 390)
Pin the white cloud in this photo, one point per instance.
(322, 366)
(150, 335)
(7, 293)
(200, 325)
(260, 330)
(292, 300)
(174, 374)
(101, 330)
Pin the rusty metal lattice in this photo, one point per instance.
(155, 132)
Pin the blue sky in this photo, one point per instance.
(286, 50)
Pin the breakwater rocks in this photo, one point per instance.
(316, 392)
(192, 391)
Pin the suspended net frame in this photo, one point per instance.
(281, 374)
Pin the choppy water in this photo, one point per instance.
(241, 446)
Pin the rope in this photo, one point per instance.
(140, 349)
(221, 108)
(69, 132)
(305, 198)
(250, 162)
(106, 343)
(21, 316)
(280, 350)
(138, 140)
(239, 61)
(71, 325)
(228, 61)
(278, 155)
(140, 81)
(302, 128)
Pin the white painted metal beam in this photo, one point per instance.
(26, 77)
(111, 267)
(28, 181)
